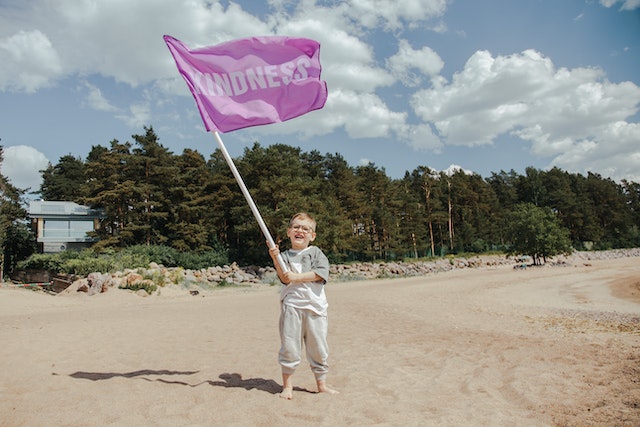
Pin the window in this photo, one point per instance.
(67, 229)
(54, 228)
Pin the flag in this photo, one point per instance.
(252, 81)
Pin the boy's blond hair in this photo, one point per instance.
(304, 216)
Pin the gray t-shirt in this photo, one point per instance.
(308, 295)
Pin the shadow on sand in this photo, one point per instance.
(234, 380)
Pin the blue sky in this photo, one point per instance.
(482, 85)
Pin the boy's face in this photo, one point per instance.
(301, 232)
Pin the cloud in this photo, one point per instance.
(453, 169)
(613, 152)
(424, 61)
(370, 55)
(75, 31)
(372, 13)
(96, 100)
(30, 62)
(22, 165)
(81, 36)
(568, 115)
(139, 115)
(626, 4)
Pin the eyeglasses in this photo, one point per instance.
(303, 228)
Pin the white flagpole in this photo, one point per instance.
(247, 196)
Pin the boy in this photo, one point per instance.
(303, 314)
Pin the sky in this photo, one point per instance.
(482, 85)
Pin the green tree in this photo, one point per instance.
(280, 186)
(412, 237)
(531, 187)
(427, 195)
(153, 197)
(505, 187)
(16, 240)
(64, 181)
(375, 226)
(340, 187)
(333, 228)
(110, 187)
(536, 231)
(473, 204)
(610, 208)
(153, 169)
(225, 196)
(632, 193)
(189, 227)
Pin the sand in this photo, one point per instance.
(495, 346)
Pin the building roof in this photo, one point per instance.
(44, 208)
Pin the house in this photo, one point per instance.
(63, 225)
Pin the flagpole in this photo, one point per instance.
(249, 199)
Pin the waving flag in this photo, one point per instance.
(253, 81)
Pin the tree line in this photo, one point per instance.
(152, 196)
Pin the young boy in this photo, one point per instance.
(303, 315)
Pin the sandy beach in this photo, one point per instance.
(492, 346)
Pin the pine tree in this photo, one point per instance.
(188, 225)
(153, 169)
(16, 240)
(110, 187)
(64, 181)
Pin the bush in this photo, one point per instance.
(159, 254)
(157, 277)
(49, 262)
(108, 261)
(85, 266)
(199, 260)
(146, 286)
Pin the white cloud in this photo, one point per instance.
(76, 31)
(347, 109)
(613, 152)
(626, 4)
(425, 61)
(96, 100)
(452, 169)
(22, 165)
(88, 37)
(420, 137)
(565, 113)
(138, 116)
(371, 13)
(29, 62)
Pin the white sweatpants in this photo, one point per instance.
(299, 326)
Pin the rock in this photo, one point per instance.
(133, 278)
(234, 274)
(80, 285)
(98, 283)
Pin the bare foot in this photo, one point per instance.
(324, 388)
(287, 393)
(287, 387)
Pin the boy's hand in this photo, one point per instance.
(273, 252)
(290, 277)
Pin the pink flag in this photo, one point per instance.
(253, 81)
